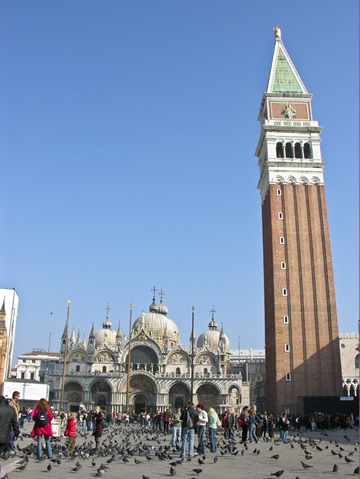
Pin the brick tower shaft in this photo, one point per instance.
(301, 329)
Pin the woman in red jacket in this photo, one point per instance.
(71, 432)
(42, 416)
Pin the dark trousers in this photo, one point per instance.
(244, 432)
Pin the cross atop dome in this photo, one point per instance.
(153, 306)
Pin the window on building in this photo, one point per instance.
(33, 361)
(22, 375)
(24, 360)
(283, 265)
(279, 150)
(286, 319)
(357, 361)
(278, 192)
(282, 240)
(307, 150)
(32, 375)
(289, 150)
(298, 150)
(178, 371)
(288, 377)
(284, 292)
(287, 348)
(104, 369)
(77, 369)
(280, 216)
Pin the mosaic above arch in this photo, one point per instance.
(78, 357)
(178, 358)
(205, 358)
(104, 357)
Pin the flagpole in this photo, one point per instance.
(128, 372)
(65, 351)
(192, 356)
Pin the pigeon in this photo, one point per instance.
(277, 473)
(335, 468)
(76, 469)
(200, 461)
(305, 466)
(348, 460)
(215, 459)
(137, 461)
(276, 456)
(356, 470)
(22, 467)
(197, 471)
(49, 467)
(172, 471)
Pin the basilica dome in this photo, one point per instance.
(212, 336)
(106, 335)
(157, 325)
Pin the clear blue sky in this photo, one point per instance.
(127, 139)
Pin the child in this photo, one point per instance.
(71, 432)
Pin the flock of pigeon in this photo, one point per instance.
(143, 449)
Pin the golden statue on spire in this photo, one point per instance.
(277, 32)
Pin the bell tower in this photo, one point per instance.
(3, 345)
(301, 329)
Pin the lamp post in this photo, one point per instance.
(65, 351)
(128, 372)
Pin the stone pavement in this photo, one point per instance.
(255, 462)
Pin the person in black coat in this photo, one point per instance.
(7, 418)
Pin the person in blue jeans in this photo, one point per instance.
(202, 421)
(285, 427)
(252, 427)
(176, 427)
(189, 418)
(213, 419)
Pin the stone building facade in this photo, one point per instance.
(160, 368)
(350, 359)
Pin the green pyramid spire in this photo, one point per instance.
(285, 80)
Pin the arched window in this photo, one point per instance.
(279, 150)
(289, 150)
(178, 371)
(205, 371)
(307, 150)
(298, 150)
(357, 361)
(77, 369)
(104, 369)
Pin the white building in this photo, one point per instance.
(350, 357)
(29, 364)
(10, 299)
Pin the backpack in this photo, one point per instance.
(43, 418)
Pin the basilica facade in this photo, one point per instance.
(163, 372)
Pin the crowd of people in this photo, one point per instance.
(183, 424)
